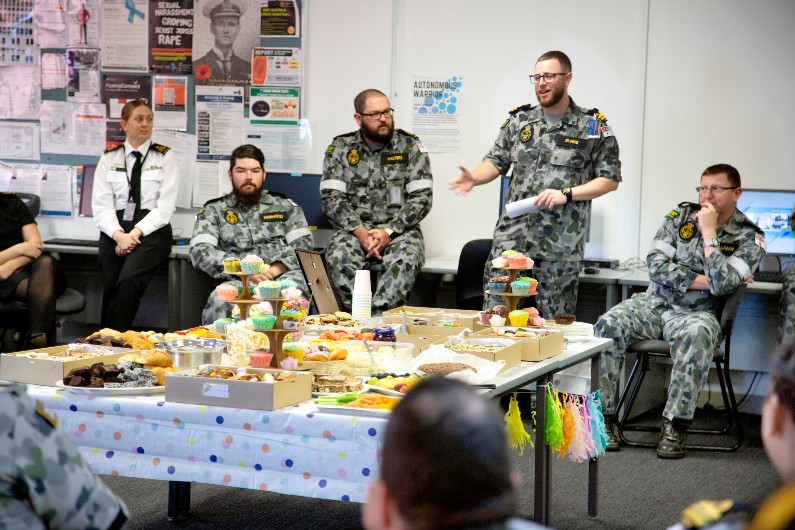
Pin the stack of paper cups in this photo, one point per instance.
(362, 296)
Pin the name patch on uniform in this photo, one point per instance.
(570, 141)
(230, 217)
(526, 134)
(118, 168)
(687, 231)
(273, 217)
(330, 149)
(353, 157)
(727, 248)
(394, 158)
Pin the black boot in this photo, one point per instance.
(672, 440)
(613, 443)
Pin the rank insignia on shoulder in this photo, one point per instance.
(201, 213)
(52, 420)
(109, 149)
(230, 217)
(160, 148)
(673, 214)
(402, 131)
(687, 231)
(504, 123)
(516, 110)
(330, 149)
(526, 134)
(353, 156)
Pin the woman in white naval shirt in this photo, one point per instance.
(132, 208)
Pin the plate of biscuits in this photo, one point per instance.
(113, 391)
(336, 320)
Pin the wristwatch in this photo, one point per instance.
(567, 193)
(712, 242)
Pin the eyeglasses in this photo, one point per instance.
(535, 79)
(716, 190)
(375, 116)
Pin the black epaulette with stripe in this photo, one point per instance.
(401, 131)
(346, 135)
(160, 148)
(113, 148)
(596, 114)
(519, 109)
(214, 200)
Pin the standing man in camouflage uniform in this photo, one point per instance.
(44, 482)
(566, 156)
(786, 328)
(697, 257)
(377, 187)
(248, 221)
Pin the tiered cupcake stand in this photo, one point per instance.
(277, 333)
(511, 299)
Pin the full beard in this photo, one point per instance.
(380, 138)
(248, 198)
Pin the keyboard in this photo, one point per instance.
(770, 276)
(73, 242)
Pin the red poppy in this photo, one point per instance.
(203, 72)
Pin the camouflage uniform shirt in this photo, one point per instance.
(387, 188)
(44, 482)
(547, 156)
(786, 328)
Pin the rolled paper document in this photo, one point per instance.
(515, 209)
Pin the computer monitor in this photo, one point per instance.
(86, 187)
(304, 190)
(770, 210)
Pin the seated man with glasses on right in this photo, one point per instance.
(701, 253)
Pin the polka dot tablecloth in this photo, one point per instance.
(295, 450)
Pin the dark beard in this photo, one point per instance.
(248, 199)
(379, 138)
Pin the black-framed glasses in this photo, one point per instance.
(535, 79)
(375, 116)
(716, 190)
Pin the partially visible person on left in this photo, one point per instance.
(44, 482)
(786, 326)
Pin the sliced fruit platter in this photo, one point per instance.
(393, 384)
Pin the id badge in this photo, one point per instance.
(129, 212)
(593, 129)
(395, 195)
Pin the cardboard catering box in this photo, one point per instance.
(240, 394)
(17, 367)
(512, 354)
(533, 349)
(419, 317)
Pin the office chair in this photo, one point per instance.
(469, 278)
(660, 348)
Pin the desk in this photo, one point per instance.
(295, 450)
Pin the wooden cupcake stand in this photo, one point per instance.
(510, 299)
(277, 333)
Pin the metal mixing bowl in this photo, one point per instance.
(193, 353)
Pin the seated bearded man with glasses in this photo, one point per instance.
(701, 253)
(376, 188)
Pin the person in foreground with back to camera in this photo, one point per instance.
(786, 328)
(44, 482)
(566, 156)
(377, 186)
(248, 220)
(445, 465)
(133, 199)
(25, 273)
(701, 253)
(777, 510)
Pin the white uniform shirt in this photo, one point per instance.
(159, 186)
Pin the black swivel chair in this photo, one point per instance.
(660, 348)
(469, 278)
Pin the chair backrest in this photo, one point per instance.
(728, 313)
(469, 279)
(33, 202)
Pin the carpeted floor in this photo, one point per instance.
(637, 490)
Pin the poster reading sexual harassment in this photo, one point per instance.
(171, 37)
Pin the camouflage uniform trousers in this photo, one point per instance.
(557, 282)
(786, 328)
(44, 481)
(403, 259)
(692, 335)
(215, 308)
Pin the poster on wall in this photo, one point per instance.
(20, 92)
(56, 190)
(286, 148)
(49, 22)
(53, 71)
(72, 128)
(125, 36)
(276, 66)
(224, 32)
(119, 89)
(436, 112)
(19, 140)
(274, 106)
(219, 121)
(16, 26)
(279, 18)
(82, 22)
(171, 37)
(170, 100)
(82, 67)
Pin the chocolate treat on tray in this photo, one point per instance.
(564, 319)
